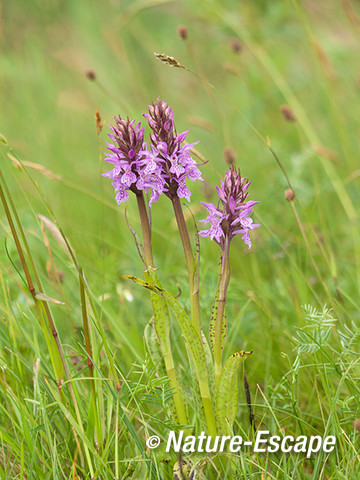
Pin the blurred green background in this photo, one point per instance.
(277, 84)
(245, 60)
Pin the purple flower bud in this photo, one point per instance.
(181, 137)
(232, 215)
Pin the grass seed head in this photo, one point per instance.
(229, 155)
(169, 60)
(289, 194)
(90, 74)
(288, 114)
(182, 32)
(98, 122)
(236, 46)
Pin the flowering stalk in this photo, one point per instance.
(163, 168)
(127, 153)
(131, 172)
(229, 218)
(176, 166)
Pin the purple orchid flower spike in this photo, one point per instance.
(175, 166)
(126, 154)
(232, 216)
(174, 162)
(163, 168)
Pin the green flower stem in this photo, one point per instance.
(190, 263)
(195, 310)
(171, 373)
(146, 230)
(208, 407)
(220, 315)
(165, 345)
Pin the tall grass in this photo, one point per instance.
(79, 393)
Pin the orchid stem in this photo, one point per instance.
(164, 341)
(195, 310)
(190, 263)
(220, 314)
(146, 230)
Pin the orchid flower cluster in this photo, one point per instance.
(163, 166)
(232, 215)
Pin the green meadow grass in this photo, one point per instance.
(304, 372)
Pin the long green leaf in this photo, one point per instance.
(160, 308)
(162, 328)
(227, 392)
(127, 423)
(188, 330)
(195, 391)
(194, 343)
(153, 346)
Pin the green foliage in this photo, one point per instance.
(304, 371)
(317, 331)
(227, 392)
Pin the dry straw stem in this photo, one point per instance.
(34, 166)
(327, 153)
(351, 13)
(53, 229)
